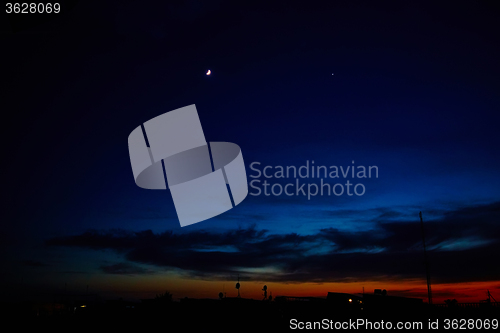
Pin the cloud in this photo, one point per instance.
(124, 269)
(463, 245)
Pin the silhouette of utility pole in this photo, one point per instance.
(429, 292)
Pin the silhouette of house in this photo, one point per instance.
(378, 301)
(382, 301)
(120, 305)
(343, 301)
(298, 299)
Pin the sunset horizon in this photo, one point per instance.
(171, 151)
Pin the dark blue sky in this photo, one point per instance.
(414, 92)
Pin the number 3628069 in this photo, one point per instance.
(32, 8)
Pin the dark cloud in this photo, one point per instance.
(124, 268)
(421, 293)
(463, 246)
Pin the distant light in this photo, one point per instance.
(209, 72)
(350, 300)
(83, 306)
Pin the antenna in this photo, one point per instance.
(490, 296)
(429, 292)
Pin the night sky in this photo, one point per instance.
(408, 87)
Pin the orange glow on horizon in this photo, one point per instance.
(142, 287)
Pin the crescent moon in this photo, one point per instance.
(209, 72)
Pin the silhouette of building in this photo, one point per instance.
(378, 301)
